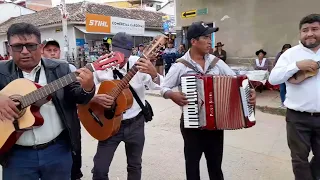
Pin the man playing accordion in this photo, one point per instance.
(196, 139)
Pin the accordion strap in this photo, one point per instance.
(189, 65)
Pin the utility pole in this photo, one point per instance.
(64, 16)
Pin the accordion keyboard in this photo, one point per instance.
(245, 95)
(191, 110)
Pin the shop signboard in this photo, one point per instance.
(98, 23)
(113, 25)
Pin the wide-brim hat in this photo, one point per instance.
(219, 44)
(261, 51)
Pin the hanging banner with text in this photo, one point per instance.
(112, 25)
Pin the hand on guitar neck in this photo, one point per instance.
(307, 68)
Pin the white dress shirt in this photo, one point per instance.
(173, 78)
(52, 126)
(138, 83)
(305, 96)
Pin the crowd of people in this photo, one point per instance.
(167, 55)
(53, 150)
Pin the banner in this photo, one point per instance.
(113, 25)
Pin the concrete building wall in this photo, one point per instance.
(253, 24)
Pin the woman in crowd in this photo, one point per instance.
(283, 85)
(261, 63)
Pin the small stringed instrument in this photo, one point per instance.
(103, 123)
(303, 75)
(28, 93)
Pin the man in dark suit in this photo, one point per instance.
(42, 152)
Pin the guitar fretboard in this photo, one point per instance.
(50, 88)
(124, 81)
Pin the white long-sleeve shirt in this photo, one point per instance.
(138, 83)
(305, 96)
(173, 78)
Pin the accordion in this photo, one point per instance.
(217, 102)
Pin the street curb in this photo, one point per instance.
(265, 109)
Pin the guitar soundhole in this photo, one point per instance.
(16, 98)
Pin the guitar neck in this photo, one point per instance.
(50, 88)
(124, 82)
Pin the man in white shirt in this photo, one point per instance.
(132, 127)
(197, 141)
(303, 99)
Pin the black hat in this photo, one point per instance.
(219, 44)
(123, 43)
(198, 29)
(261, 51)
(51, 42)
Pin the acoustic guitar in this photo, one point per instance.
(303, 75)
(31, 96)
(103, 123)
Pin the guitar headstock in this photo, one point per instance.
(154, 47)
(108, 61)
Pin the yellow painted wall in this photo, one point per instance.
(122, 4)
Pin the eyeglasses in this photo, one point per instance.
(19, 47)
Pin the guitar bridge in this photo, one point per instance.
(95, 117)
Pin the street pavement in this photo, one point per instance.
(257, 153)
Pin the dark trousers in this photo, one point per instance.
(283, 92)
(51, 163)
(303, 134)
(76, 165)
(198, 141)
(132, 134)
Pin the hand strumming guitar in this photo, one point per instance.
(8, 109)
(104, 100)
(307, 65)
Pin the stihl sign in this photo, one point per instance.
(98, 23)
(112, 25)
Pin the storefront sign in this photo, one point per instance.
(130, 26)
(98, 23)
(113, 25)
